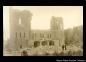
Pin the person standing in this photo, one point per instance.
(24, 53)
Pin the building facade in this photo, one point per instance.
(22, 36)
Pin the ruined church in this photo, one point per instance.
(22, 36)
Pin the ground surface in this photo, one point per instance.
(34, 52)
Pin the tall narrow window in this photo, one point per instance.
(33, 36)
(40, 35)
(20, 46)
(50, 35)
(47, 35)
(19, 21)
(20, 34)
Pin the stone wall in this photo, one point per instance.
(19, 32)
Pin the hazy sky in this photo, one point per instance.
(72, 16)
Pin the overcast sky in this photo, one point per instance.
(72, 16)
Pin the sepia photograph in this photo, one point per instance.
(42, 30)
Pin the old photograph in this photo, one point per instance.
(42, 30)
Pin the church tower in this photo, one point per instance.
(57, 29)
(19, 28)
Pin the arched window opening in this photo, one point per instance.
(51, 43)
(36, 43)
(44, 43)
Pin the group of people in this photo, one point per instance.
(25, 53)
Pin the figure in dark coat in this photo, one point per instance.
(62, 47)
(24, 53)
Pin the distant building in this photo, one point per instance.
(21, 35)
